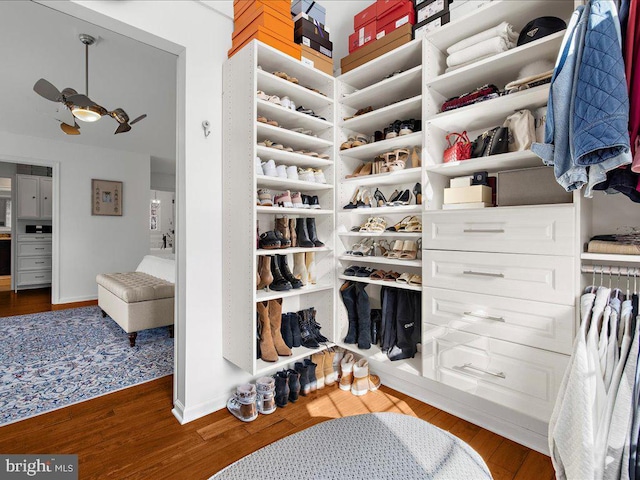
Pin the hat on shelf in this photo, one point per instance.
(540, 27)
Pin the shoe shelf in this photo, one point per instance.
(289, 138)
(486, 114)
(405, 84)
(291, 118)
(379, 119)
(290, 158)
(284, 251)
(380, 260)
(272, 85)
(264, 368)
(409, 365)
(374, 211)
(285, 184)
(504, 161)
(392, 178)
(382, 283)
(303, 212)
(499, 69)
(405, 57)
(398, 235)
(265, 295)
(370, 150)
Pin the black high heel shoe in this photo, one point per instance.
(379, 198)
(394, 196)
(404, 198)
(417, 192)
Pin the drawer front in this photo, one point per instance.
(34, 263)
(34, 248)
(522, 378)
(542, 231)
(34, 278)
(529, 277)
(34, 237)
(536, 324)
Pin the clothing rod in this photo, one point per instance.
(611, 270)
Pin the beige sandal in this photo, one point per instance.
(409, 250)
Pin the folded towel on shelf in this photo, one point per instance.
(491, 46)
(504, 30)
(470, 62)
(616, 248)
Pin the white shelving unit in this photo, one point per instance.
(244, 74)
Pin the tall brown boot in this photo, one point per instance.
(264, 270)
(292, 231)
(282, 225)
(275, 319)
(267, 350)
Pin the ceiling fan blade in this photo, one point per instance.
(63, 114)
(119, 115)
(138, 119)
(46, 89)
(122, 128)
(70, 130)
(81, 100)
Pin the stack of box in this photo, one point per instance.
(381, 27)
(465, 192)
(430, 14)
(266, 20)
(312, 35)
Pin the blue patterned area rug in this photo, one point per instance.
(54, 359)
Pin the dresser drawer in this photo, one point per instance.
(34, 248)
(537, 230)
(34, 237)
(529, 277)
(34, 263)
(34, 278)
(522, 378)
(536, 324)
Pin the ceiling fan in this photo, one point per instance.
(81, 106)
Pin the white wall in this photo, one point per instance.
(88, 244)
(163, 181)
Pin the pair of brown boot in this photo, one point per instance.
(324, 368)
(271, 342)
(287, 227)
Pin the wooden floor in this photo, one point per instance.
(132, 434)
(25, 301)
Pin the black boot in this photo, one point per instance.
(302, 234)
(294, 385)
(286, 331)
(348, 294)
(315, 326)
(305, 386)
(306, 331)
(295, 329)
(282, 388)
(364, 317)
(279, 283)
(311, 368)
(376, 320)
(313, 233)
(286, 273)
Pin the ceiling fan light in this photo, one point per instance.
(86, 114)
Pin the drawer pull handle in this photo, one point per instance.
(39, 276)
(484, 317)
(483, 274)
(39, 248)
(471, 230)
(39, 263)
(482, 370)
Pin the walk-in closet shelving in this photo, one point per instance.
(247, 72)
(499, 283)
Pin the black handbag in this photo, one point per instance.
(491, 142)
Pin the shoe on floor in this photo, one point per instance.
(243, 403)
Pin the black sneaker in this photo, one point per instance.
(314, 202)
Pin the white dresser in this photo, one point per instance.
(33, 266)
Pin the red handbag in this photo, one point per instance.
(460, 149)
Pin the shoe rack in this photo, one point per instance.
(247, 72)
(397, 97)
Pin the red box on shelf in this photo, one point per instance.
(386, 6)
(367, 15)
(362, 36)
(395, 18)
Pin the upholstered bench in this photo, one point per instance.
(136, 301)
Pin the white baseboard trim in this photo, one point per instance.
(189, 414)
(85, 298)
(468, 407)
(178, 410)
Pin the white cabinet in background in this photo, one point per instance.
(34, 197)
(46, 197)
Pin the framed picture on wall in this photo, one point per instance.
(106, 197)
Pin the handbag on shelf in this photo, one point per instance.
(459, 150)
(522, 130)
(491, 142)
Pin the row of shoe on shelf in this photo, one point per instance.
(274, 274)
(362, 198)
(291, 172)
(406, 278)
(279, 146)
(392, 161)
(287, 103)
(409, 224)
(398, 128)
(291, 232)
(286, 199)
(323, 369)
(401, 249)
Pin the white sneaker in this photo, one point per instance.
(269, 168)
(292, 172)
(306, 175)
(319, 176)
(259, 166)
(282, 171)
(292, 105)
(285, 102)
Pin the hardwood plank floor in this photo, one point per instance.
(131, 434)
(35, 300)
